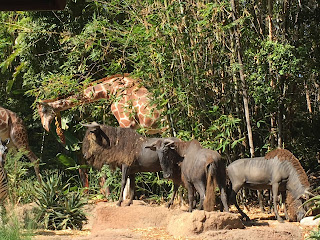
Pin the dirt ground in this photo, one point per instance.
(149, 221)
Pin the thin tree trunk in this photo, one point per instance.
(242, 78)
(309, 107)
(273, 125)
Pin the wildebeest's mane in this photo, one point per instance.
(119, 149)
(285, 155)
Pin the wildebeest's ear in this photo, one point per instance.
(155, 145)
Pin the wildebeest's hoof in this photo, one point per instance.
(118, 204)
(128, 204)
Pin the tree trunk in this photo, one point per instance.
(309, 107)
(273, 125)
(242, 78)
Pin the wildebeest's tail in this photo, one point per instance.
(210, 199)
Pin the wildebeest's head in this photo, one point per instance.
(167, 155)
(295, 207)
(3, 150)
(95, 140)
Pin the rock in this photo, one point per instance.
(187, 224)
(310, 221)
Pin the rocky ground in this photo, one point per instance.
(146, 221)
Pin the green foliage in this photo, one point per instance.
(13, 230)
(184, 52)
(314, 235)
(313, 204)
(20, 178)
(152, 186)
(58, 208)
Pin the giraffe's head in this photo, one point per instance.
(3, 150)
(46, 113)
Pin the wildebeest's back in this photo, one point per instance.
(193, 164)
(259, 173)
(113, 146)
(249, 170)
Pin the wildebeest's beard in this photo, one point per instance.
(166, 164)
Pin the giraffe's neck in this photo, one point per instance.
(109, 87)
(7, 117)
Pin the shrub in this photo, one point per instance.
(58, 208)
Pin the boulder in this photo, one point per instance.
(187, 224)
(310, 221)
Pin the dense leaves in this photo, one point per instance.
(187, 54)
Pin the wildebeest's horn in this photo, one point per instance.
(168, 142)
(90, 125)
(152, 145)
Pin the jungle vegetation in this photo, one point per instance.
(242, 77)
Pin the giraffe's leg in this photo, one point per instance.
(19, 137)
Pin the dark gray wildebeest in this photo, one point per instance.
(279, 171)
(201, 170)
(123, 148)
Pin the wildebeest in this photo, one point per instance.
(200, 169)
(120, 147)
(279, 171)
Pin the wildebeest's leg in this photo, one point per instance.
(284, 198)
(190, 188)
(233, 200)
(223, 194)
(132, 188)
(175, 190)
(125, 170)
(260, 199)
(275, 189)
(201, 189)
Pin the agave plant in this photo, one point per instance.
(58, 208)
(313, 204)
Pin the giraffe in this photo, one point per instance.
(132, 105)
(12, 127)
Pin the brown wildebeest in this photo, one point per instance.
(201, 169)
(279, 171)
(123, 148)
